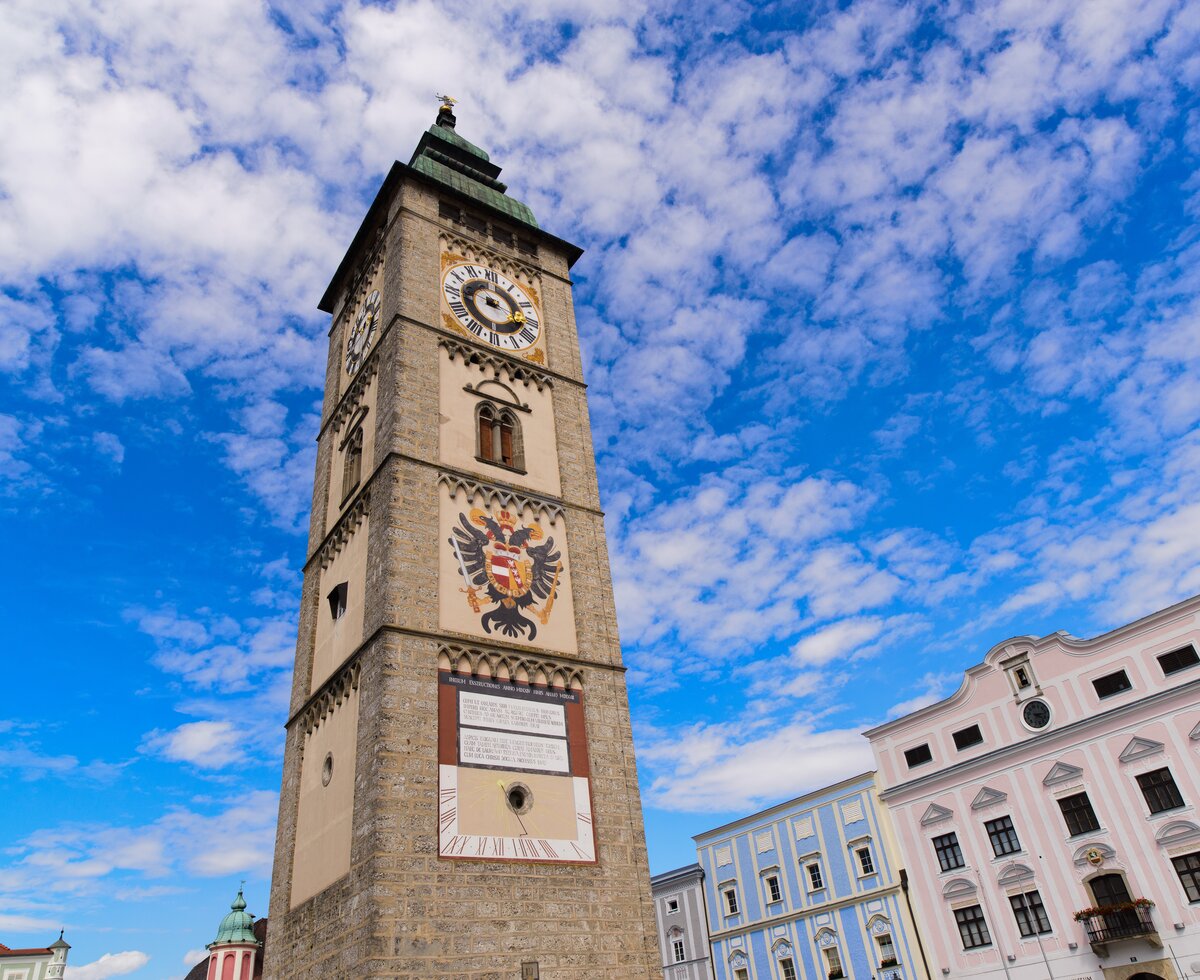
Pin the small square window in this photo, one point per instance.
(773, 893)
(918, 755)
(1111, 684)
(731, 902)
(1178, 660)
(1159, 790)
(672, 905)
(865, 862)
(337, 600)
(967, 737)
(949, 854)
(815, 879)
(1003, 836)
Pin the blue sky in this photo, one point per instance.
(891, 317)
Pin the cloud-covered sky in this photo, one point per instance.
(891, 317)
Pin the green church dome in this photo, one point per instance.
(237, 926)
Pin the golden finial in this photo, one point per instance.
(448, 103)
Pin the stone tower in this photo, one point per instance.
(459, 791)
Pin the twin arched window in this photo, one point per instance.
(499, 437)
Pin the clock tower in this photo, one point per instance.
(459, 791)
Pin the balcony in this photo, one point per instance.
(1110, 923)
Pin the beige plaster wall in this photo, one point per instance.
(337, 639)
(557, 633)
(324, 821)
(533, 409)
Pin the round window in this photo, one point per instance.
(327, 769)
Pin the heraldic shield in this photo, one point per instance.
(511, 578)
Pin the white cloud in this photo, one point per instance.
(207, 744)
(194, 956)
(108, 444)
(109, 965)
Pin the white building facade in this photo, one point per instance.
(1048, 811)
(682, 923)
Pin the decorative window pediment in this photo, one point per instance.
(1194, 734)
(987, 797)
(825, 937)
(675, 932)
(1061, 772)
(1014, 874)
(958, 888)
(935, 814)
(1177, 832)
(1139, 748)
(878, 924)
(737, 958)
(781, 947)
(1093, 854)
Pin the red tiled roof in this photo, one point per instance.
(5, 951)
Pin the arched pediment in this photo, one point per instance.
(1094, 854)
(958, 888)
(781, 947)
(1013, 874)
(675, 932)
(1177, 832)
(825, 937)
(877, 925)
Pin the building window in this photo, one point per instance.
(972, 927)
(475, 223)
(887, 950)
(500, 437)
(949, 854)
(773, 893)
(1109, 890)
(1078, 813)
(1178, 660)
(731, 905)
(1111, 684)
(740, 973)
(865, 864)
(1021, 676)
(1003, 836)
(1030, 913)
(448, 210)
(337, 600)
(502, 235)
(352, 462)
(967, 737)
(672, 905)
(527, 246)
(815, 881)
(918, 755)
(787, 968)
(1187, 866)
(1160, 791)
(677, 947)
(833, 962)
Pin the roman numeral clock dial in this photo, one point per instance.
(491, 307)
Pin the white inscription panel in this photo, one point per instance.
(512, 751)
(512, 714)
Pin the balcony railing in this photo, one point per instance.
(1114, 922)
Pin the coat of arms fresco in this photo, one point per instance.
(510, 580)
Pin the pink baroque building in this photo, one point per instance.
(1049, 811)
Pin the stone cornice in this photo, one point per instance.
(777, 920)
(344, 529)
(512, 662)
(449, 640)
(516, 369)
(326, 699)
(504, 496)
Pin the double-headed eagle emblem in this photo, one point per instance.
(513, 573)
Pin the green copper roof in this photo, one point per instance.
(456, 163)
(237, 926)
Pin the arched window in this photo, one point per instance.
(352, 462)
(499, 437)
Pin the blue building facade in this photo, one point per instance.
(810, 889)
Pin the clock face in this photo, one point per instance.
(513, 776)
(491, 306)
(362, 334)
(1036, 714)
